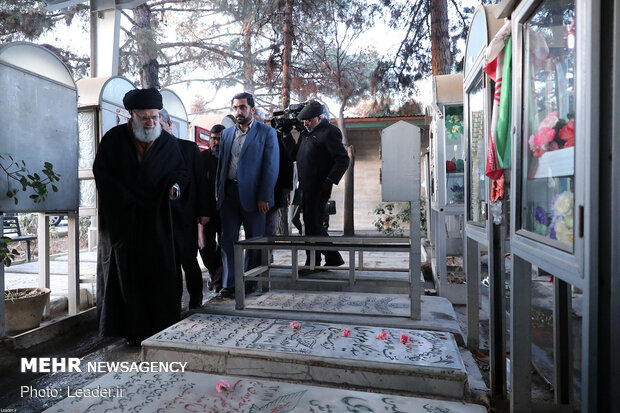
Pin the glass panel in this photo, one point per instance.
(114, 90)
(477, 155)
(86, 142)
(88, 193)
(455, 164)
(476, 39)
(173, 104)
(549, 122)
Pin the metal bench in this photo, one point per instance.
(12, 230)
(314, 244)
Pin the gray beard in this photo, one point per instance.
(142, 134)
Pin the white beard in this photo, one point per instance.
(142, 134)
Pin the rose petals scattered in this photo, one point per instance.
(382, 335)
(295, 326)
(346, 333)
(222, 385)
(404, 338)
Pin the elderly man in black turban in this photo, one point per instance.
(139, 171)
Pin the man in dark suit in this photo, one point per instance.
(246, 175)
(322, 160)
(190, 211)
(210, 235)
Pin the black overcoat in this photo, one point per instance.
(321, 155)
(137, 282)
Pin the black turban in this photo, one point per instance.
(311, 110)
(143, 99)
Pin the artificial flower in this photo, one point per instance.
(567, 133)
(382, 335)
(222, 385)
(346, 333)
(541, 215)
(295, 325)
(549, 121)
(544, 136)
(404, 338)
(563, 204)
(563, 231)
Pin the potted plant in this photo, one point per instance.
(17, 172)
(24, 308)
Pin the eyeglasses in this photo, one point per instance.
(154, 118)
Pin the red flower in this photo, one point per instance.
(567, 133)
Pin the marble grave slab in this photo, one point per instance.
(428, 363)
(196, 392)
(333, 302)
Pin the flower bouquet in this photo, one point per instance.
(557, 224)
(553, 133)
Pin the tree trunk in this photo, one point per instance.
(349, 225)
(147, 47)
(440, 40)
(248, 58)
(286, 54)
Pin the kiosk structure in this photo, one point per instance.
(100, 108)
(447, 191)
(178, 114)
(481, 234)
(38, 112)
(555, 198)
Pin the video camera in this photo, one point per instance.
(285, 120)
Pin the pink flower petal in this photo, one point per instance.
(404, 338)
(295, 325)
(222, 385)
(346, 333)
(382, 335)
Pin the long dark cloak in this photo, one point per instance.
(138, 287)
(193, 203)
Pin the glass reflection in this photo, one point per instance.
(477, 155)
(454, 155)
(549, 123)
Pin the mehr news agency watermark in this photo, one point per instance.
(75, 365)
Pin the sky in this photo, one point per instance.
(380, 34)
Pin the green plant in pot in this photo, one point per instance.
(16, 172)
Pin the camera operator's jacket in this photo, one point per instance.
(321, 155)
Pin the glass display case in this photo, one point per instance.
(100, 108)
(483, 240)
(555, 195)
(548, 144)
(447, 206)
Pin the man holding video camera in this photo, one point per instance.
(322, 160)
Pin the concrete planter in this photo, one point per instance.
(26, 310)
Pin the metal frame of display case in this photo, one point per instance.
(488, 234)
(447, 93)
(577, 267)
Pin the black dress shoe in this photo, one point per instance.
(308, 271)
(227, 292)
(195, 302)
(336, 262)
